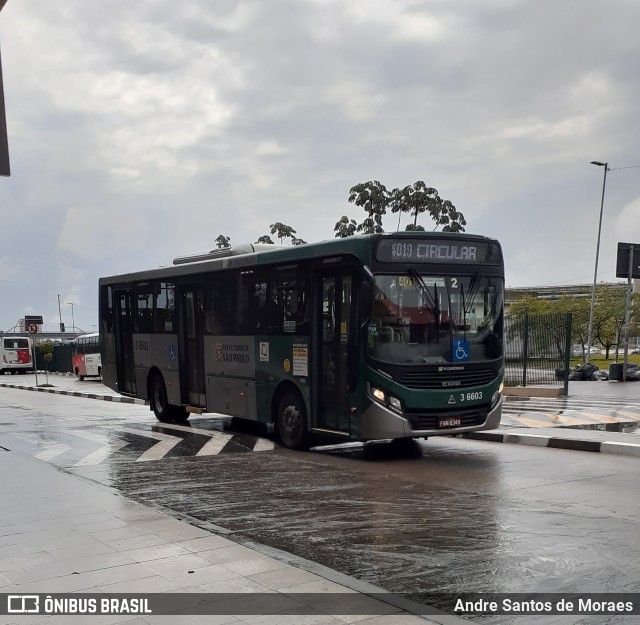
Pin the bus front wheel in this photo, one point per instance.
(291, 421)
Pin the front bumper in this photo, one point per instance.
(379, 422)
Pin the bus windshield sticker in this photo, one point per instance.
(286, 365)
(264, 351)
(460, 350)
(289, 326)
(440, 251)
(301, 360)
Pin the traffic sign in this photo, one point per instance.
(32, 328)
(624, 263)
(37, 319)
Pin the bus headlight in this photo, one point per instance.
(388, 400)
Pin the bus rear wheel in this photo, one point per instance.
(291, 421)
(164, 411)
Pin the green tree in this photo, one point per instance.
(374, 198)
(265, 238)
(345, 227)
(415, 199)
(608, 317)
(46, 347)
(222, 241)
(282, 231)
(529, 305)
(296, 241)
(579, 309)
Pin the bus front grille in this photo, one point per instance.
(447, 379)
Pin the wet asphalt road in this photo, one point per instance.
(444, 515)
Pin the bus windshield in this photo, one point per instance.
(419, 318)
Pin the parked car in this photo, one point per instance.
(578, 350)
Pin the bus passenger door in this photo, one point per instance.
(192, 345)
(124, 342)
(332, 332)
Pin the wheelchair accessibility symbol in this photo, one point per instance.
(460, 350)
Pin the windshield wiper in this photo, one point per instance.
(424, 292)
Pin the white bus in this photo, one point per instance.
(86, 356)
(15, 354)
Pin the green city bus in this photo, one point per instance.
(371, 337)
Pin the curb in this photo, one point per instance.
(556, 442)
(113, 398)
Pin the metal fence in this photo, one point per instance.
(61, 359)
(538, 350)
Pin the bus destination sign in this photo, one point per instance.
(438, 251)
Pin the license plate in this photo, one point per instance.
(450, 422)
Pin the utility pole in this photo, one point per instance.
(61, 324)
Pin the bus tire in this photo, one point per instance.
(164, 411)
(158, 399)
(291, 421)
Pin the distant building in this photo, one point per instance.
(513, 294)
(576, 290)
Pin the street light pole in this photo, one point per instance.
(595, 273)
(60, 315)
(73, 323)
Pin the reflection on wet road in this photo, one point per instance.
(432, 517)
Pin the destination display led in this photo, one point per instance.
(437, 251)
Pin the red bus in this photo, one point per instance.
(86, 356)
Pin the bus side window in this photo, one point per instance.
(165, 311)
(288, 299)
(106, 295)
(144, 308)
(219, 306)
(253, 306)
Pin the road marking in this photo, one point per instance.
(52, 452)
(264, 444)
(218, 439)
(602, 417)
(210, 448)
(532, 423)
(110, 446)
(215, 445)
(159, 450)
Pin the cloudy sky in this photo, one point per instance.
(139, 131)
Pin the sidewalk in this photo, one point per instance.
(66, 384)
(62, 534)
